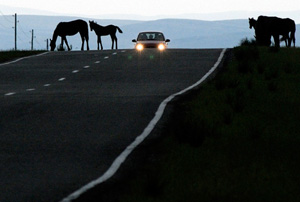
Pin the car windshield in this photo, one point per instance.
(145, 36)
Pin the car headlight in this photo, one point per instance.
(139, 47)
(161, 47)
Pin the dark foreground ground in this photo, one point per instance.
(234, 139)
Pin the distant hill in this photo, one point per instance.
(183, 33)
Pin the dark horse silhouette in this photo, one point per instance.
(265, 27)
(103, 31)
(64, 29)
(263, 40)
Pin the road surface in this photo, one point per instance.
(65, 116)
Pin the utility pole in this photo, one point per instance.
(47, 45)
(16, 21)
(32, 36)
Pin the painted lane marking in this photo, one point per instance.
(61, 79)
(115, 53)
(10, 94)
(47, 85)
(30, 89)
(97, 62)
(106, 57)
(122, 157)
(17, 60)
(86, 67)
(75, 71)
(123, 51)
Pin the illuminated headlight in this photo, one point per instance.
(161, 47)
(139, 47)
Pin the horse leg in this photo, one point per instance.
(292, 38)
(276, 40)
(62, 43)
(82, 43)
(116, 39)
(112, 41)
(290, 41)
(65, 39)
(87, 43)
(100, 42)
(286, 40)
(84, 38)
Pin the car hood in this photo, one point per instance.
(151, 42)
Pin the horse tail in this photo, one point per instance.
(118, 28)
(292, 37)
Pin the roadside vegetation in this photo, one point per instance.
(236, 139)
(6, 56)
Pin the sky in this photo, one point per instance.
(152, 7)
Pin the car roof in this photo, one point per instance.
(150, 32)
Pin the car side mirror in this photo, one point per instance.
(134, 41)
(168, 40)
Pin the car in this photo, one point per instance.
(151, 39)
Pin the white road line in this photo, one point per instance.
(106, 57)
(10, 94)
(85, 67)
(97, 62)
(115, 53)
(30, 89)
(123, 51)
(61, 79)
(75, 71)
(47, 85)
(17, 60)
(122, 157)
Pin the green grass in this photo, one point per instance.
(6, 56)
(236, 139)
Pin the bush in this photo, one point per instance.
(247, 42)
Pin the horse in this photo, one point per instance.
(290, 26)
(264, 40)
(104, 31)
(274, 26)
(64, 29)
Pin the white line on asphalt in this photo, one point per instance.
(61, 79)
(10, 94)
(85, 67)
(75, 71)
(122, 157)
(47, 84)
(97, 62)
(17, 60)
(115, 53)
(106, 57)
(30, 89)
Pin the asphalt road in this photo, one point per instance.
(65, 116)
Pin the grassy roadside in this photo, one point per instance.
(6, 56)
(237, 139)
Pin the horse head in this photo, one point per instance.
(252, 23)
(52, 45)
(92, 25)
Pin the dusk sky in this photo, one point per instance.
(152, 7)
